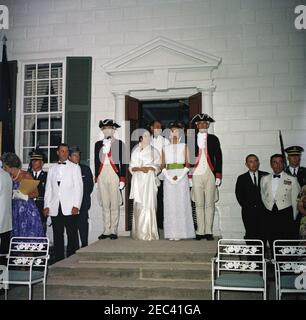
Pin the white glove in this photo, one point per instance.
(19, 195)
(121, 185)
(186, 170)
(218, 182)
(190, 182)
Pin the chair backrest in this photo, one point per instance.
(290, 256)
(24, 249)
(239, 255)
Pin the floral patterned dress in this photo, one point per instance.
(26, 218)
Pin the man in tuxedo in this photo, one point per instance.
(158, 142)
(36, 169)
(206, 175)
(88, 184)
(110, 173)
(279, 192)
(5, 213)
(248, 195)
(63, 199)
(294, 168)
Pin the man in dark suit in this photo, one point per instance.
(36, 169)
(249, 197)
(88, 184)
(110, 173)
(206, 175)
(294, 169)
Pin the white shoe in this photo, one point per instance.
(171, 239)
(177, 239)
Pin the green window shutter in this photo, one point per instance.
(78, 104)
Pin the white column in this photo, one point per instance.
(120, 113)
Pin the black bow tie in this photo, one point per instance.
(61, 162)
(276, 176)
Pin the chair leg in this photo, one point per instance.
(218, 294)
(5, 293)
(44, 284)
(30, 292)
(212, 294)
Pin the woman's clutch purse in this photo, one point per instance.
(28, 186)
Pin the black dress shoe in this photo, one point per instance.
(113, 236)
(103, 236)
(209, 237)
(198, 237)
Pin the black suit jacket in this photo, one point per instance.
(118, 156)
(88, 185)
(214, 152)
(301, 175)
(41, 189)
(247, 194)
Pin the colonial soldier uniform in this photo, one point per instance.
(206, 175)
(294, 169)
(110, 172)
(41, 175)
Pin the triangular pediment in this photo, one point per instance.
(162, 53)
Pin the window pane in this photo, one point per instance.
(45, 152)
(42, 121)
(29, 122)
(26, 157)
(55, 138)
(56, 86)
(42, 104)
(43, 71)
(43, 88)
(29, 139)
(30, 72)
(53, 155)
(56, 103)
(56, 121)
(29, 88)
(42, 138)
(29, 105)
(56, 70)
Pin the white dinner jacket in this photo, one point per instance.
(70, 191)
(286, 193)
(6, 186)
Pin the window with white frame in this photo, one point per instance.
(43, 110)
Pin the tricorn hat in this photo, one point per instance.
(108, 123)
(294, 150)
(201, 117)
(37, 154)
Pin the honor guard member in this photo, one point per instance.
(294, 168)
(110, 173)
(36, 169)
(88, 184)
(206, 175)
(279, 192)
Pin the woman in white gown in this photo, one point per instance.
(144, 165)
(178, 221)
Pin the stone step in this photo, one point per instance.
(128, 270)
(137, 289)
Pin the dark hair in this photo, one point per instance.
(276, 155)
(151, 124)
(251, 155)
(74, 149)
(11, 160)
(62, 145)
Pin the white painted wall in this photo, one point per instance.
(261, 83)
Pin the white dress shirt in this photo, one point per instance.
(275, 184)
(252, 176)
(202, 140)
(294, 169)
(36, 173)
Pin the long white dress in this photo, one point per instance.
(144, 192)
(178, 222)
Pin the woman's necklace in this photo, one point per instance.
(15, 178)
